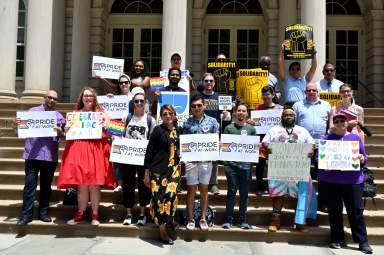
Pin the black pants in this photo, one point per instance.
(260, 174)
(32, 168)
(351, 194)
(129, 183)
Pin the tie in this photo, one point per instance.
(329, 85)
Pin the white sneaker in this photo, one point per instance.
(95, 223)
(142, 220)
(118, 189)
(128, 220)
(191, 225)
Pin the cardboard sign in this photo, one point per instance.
(298, 42)
(128, 151)
(84, 125)
(289, 161)
(199, 147)
(109, 68)
(249, 83)
(36, 124)
(265, 119)
(240, 148)
(225, 103)
(333, 98)
(183, 83)
(339, 155)
(179, 100)
(225, 76)
(116, 128)
(117, 107)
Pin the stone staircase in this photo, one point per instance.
(112, 211)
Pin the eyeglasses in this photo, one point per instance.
(139, 101)
(311, 90)
(345, 91)
(88, 96)
(209, 81)
(176, 59)
(329, 70)
(52, 98)
(295, 69)
(194, 106)
(165, 114)
(124, 82)
(339, 121)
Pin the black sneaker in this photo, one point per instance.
(365, 248)
(24, 221)
(337, 245)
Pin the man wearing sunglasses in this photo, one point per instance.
(41, 155)
(294, 83)
(329, 83)
(198, 173)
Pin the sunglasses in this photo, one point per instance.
(52, 98)
(295, 69)
(339, 121)
(165, 114)
(209, 81)
(139, 101)
(194, 106)
(123, 82)
(311, 90)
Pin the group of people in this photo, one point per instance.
(305, 119)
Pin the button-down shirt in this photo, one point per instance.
(294, 88)
(325, 86)
(43, 148)
(207, 125)
(313, 116)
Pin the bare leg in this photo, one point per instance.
(82, 197)
(94, 191)
(190, 198)
(203, 188)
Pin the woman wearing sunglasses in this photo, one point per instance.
(162, 174)
(139, 126)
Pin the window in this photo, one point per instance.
(235, 7)
(21, 35)
(143, 6)
(218, 42)
(150, 49)
(342, 7)
(122, 46)
(247, 48)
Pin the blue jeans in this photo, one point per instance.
(238, 177)
(32, 168)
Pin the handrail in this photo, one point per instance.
(377, 99)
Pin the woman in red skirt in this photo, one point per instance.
(85, 162)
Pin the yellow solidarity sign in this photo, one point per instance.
(249, 83)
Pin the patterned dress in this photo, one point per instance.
(164, 185)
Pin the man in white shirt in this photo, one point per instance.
(329, 83)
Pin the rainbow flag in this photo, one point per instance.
(225, 147)
(185, 147)
(116, 128)
(23, 124)
(116, 149)
(157, 83)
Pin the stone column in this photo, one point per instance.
(80, 60)
(174, 36)
(8, 40)
(44, 48)
(314, 13)
(287, 16)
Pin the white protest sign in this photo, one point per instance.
(117, 107)
(128, 151)
(184, 81)
(110, 68)
(289, 161)
(241, 148)
(199, 147)
(225, 103)
(265, 119)
(339, 155)
(84, 125)
(179, 100)
(36, 124)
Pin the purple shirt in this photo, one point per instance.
(43, 148)
(344, 177)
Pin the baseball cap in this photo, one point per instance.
(339, 115)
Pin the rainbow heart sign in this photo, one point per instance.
(339, 155)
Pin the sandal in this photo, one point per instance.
(203, 224)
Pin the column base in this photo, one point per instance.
(33, 95)
(8, 95)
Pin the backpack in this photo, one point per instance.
(149, 122)
(197, 214)
(370, 187)
(70, 197)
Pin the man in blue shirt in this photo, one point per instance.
(198, 172)
(294, 83)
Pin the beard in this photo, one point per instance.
(286, 124)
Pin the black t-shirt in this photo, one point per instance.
(174, 89)
(212, 102)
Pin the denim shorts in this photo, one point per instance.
(198, 172)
